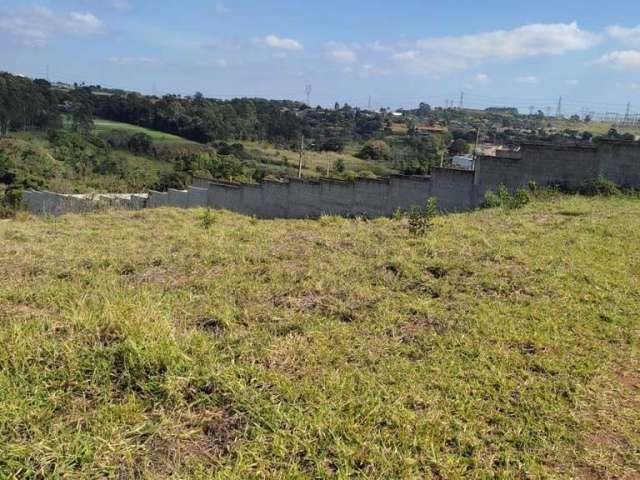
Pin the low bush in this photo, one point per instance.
(599, 187)
(503, 198)
(421, 218)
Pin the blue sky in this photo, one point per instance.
(399, 53)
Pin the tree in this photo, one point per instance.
(460, 147)
(82, 117)
(375, 150)
(140, 143)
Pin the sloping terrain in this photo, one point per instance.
(502, 344)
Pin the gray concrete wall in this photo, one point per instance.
(197, 197)
(620, 163)
(545, 165)
(158, 199)
(456, 190)
(337, 197)
(50, 203)
(178, 198)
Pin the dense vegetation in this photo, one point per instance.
(49, 138)
(500, 344)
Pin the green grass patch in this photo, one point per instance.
(499, 344)
(103, 126)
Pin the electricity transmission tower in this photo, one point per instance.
(307, 91)
(627, 115)
(461, 104)
(559, 109)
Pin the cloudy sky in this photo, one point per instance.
(399, 53)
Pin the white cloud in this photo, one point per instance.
(528, 79)
(343, 55)
(438, 55)
(121, 5)
(221, 9)
(37, 26)
(482, 78)
(620, 59)
(572, 83)
(630, 36)
(274, 41)
(83, 23)
(133, 61)
(479, 80)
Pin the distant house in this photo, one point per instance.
(464, 162)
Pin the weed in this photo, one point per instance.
(421, 218)
(502, 198)
(600, 186)
(207, 219)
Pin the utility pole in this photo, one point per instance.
(307, 90)
(301, 155)
(475, 150)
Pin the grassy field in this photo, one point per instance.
(503, 344)
(596, 128)
(315, 163)
(102, 126)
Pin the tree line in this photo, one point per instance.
(26, 104)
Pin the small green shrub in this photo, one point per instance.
(208, 219)
(421, 218)
(502, 198)
(491, 200)
(519, 199)
(600, 186)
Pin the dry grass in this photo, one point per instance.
(499, 345)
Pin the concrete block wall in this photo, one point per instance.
(542, 164)
(456, 190)
(197, 197)
(620, 163)
(158, 199)
(50, 203)
(178, 198)
(337, 197)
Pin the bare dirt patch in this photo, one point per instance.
(201, 438)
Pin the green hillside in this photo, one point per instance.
(185, 344)
(105, 126)
(71, 163)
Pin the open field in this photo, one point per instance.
(315, 163)
(108, 125)
(596, 128)
(503, 344)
